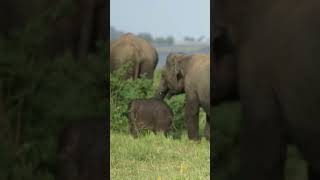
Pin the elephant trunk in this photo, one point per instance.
(162, 90)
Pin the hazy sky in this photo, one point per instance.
(162, 17)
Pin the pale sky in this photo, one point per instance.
(178, 18)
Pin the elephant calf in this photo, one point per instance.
(82, 150)
(152, 114)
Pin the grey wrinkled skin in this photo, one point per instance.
(189, 74)
(152, 114)
(275, 46)
(132, 49)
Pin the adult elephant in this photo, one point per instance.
(276, 47)
(189, 74)
(129, 48)
(64, 25)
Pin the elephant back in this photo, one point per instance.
(121, 53)
(129, 47)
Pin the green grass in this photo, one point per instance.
(158, 157)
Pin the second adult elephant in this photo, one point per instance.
(189, 74)
(129, 48)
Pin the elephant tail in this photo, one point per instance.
(136, 61)
(156, 59)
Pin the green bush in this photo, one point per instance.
(40, 96)
(123, 91)
(227, 119)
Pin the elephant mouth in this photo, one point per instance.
(173, 93)
(168, 94)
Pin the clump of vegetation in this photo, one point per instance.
(37, 98)
(123, 91)
(152, 156)
(227, 119)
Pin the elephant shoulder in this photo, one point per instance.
(202, 57)
(146, 50)
(200, 61)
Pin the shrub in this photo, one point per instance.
(39, 97)
(122, 91)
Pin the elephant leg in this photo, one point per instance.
(192, 116)
(136, 71)
(133, 131)
(147, 69)
(207, 129)
(149, 75)
(262, 137)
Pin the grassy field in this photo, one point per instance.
(157, 157)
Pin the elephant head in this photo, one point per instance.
(172, 80)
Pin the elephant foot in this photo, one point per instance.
(194, 137)
(207, 132)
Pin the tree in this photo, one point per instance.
(189, 39)
(114, 33)
(170, 40)
(200, 39)
(146, 36)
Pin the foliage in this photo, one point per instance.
(152, 156)
(146, 36)
(164, 40)
(116, 34)
(39, 96)
(189, 39)
(226, 131)
(123, 91)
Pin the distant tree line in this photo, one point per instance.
(192, 39)
(115, 34)
(157, 40)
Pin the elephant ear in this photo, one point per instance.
(179, 69)
(170, 58)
